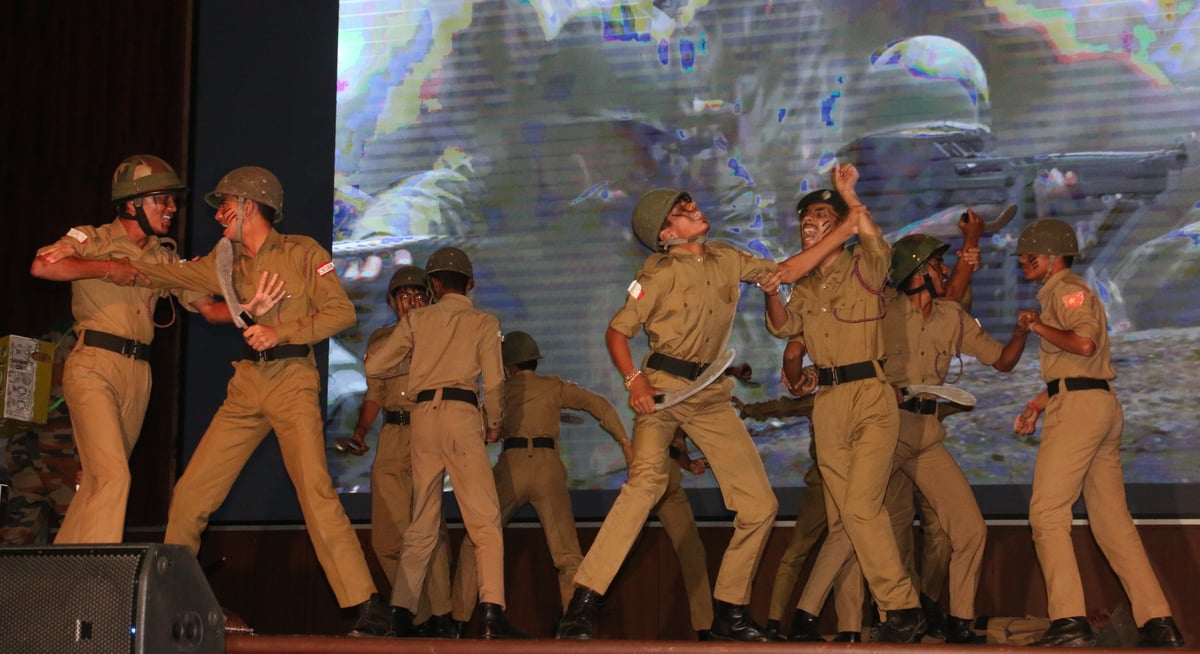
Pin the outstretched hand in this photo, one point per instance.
(271, 291)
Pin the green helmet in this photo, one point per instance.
(650, 214)
(143, 174)
(518, 347)
(912, 252)
(1048, 236)
(452, 259)
(251, 183)
(826, 196)
(405, 276)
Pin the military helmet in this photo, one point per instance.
(143, 174)
(912, 252)
(1048, 236)
(251, 183)
(826, 196)
(405, 276)
(651, 212)
(518, 347)
(449, 258)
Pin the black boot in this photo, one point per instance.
(374, 618)
(771, 631)
(804, 628)
(703, 635)
(733, 622)
(1160, 632)
(579, 622)
(1068, 632)
(442, 626)
(935, 620)
(961, 631)
(496, 624)
(402, 623)
(903, 626)
(848, 637)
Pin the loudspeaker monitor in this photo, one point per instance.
(129, 598)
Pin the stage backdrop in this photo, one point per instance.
(524, 132)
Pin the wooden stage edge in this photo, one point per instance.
(242, 644)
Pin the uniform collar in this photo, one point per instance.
(118, 232)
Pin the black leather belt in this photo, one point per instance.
(677, 367)
(396, 417)
(449, 393)
(1077, 384)
(126, 347)
(276, 353)
(920, 405)
(845, 374)
(517, 442)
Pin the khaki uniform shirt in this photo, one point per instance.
(533, 406)
(125, 311)
(451, 343)
(838, 311)
(685, 302)
(920, 350)
(391, 393)
(315, 307)
(1068, 303)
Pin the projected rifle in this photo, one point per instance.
(955, 165)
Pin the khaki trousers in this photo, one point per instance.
(674, 511)
(534, 476)
(447, 438)
(710, 421)
(856, 429)
(1080, 453)
(284, 397)
(922, 457)
(391, 515)
(899, 500)
(846, 581)
(107, 395)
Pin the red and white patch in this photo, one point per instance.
(325, 268)
(635, 290)
(78, 235)
(1074, 300)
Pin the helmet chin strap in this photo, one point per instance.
(927, 286)
(700, 238)
(240, 220)
(143, 221)
(1049, 269)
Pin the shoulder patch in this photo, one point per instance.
(78, 235)
(635, 290)
(1074, 300)
(325, 268)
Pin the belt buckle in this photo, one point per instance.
(129, 348)
(833, 376)
(261, 355)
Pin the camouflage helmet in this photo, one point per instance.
(826, 196)
(405, 276)
(251, 183)
(518, 347)
(452, 259)
(912, 252)
(1048, 236)
(143, 174)
(651, 212)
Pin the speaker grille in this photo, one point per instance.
(90, 606)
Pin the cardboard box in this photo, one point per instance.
(26, 368)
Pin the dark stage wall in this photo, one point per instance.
(647, 601)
